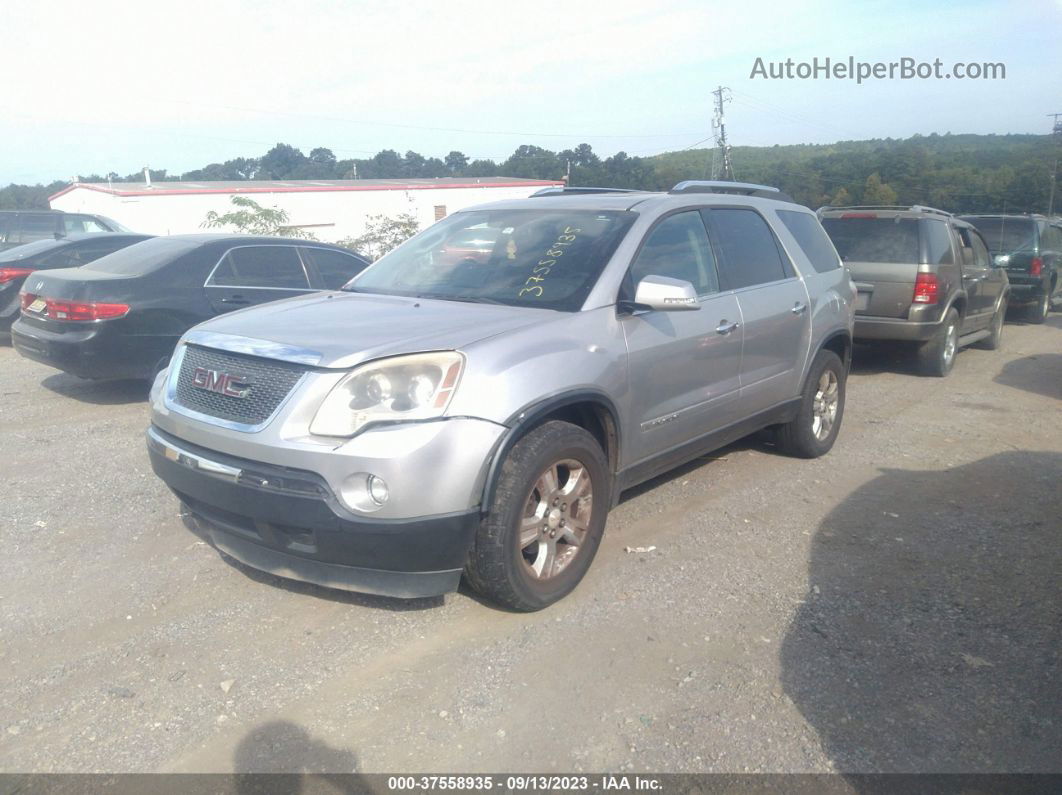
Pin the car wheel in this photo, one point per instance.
(937, 356)
(995, 330)
(545, 521)
(814, 430)
(1037, 313)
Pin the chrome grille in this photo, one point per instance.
(269, 382)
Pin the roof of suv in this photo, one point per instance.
(629, 201)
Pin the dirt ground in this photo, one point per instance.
(894, 606)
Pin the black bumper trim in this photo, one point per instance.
(403, 585)
(296, 528)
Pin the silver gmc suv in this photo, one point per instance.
(476, 400)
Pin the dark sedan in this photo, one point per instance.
(70, 252)
(122, 316)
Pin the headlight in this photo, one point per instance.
(416, 387)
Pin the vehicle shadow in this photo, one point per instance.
(884, 357)
(1040, 374)
(931, 636)
(100, 393)
(392, 604)
(282, 757)
(761, 440)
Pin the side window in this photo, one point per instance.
(814, 241)
(678, 248)
(938, 242)
(748, 252)
(334, 267)
(980, 251)
(75, 224)
(260, 266)
(37, 226)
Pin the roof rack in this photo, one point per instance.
(742, 188)
(576, 190)
(914, 208)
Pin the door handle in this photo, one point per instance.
(235, 300)
(725, 327)
(799, 308)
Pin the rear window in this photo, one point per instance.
(142, 258)
(874, 239)
(808, 232)
(1006, 235)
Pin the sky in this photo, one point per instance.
(117, 86)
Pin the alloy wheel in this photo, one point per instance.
(556, 518)
(825, 405)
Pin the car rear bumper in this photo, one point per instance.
(289, 522)
(885, 328)
(1023, 292)
(94, 351)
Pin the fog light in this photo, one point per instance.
(378, 490)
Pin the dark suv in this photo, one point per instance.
(924, 276)
(26, 226)
(1030, 248)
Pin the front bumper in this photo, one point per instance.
(289, 522)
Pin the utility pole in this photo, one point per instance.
(1056, 133)
(722, 96)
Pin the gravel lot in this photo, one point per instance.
(894, 606)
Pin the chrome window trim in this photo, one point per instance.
(170, 395)
(306, 289)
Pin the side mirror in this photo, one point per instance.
(666, 295)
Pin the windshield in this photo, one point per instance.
(141, 258)
(874, 239)
(31, 249)
(541, 258)
(117, 227)
(1006, 235)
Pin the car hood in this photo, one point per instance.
(340, 330)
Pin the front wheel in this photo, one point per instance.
(545, 521)
(814, 430)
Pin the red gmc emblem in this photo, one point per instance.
(223, 383)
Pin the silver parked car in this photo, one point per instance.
(477, 399)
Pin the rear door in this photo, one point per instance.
(977, 279)
(330, 269)
(773, 303)
(685, 366)
(882, 254)
(256, 274)
(39, 226)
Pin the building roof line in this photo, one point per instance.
(316, 186)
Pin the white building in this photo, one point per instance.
(331, 209)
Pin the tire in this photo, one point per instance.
(531, 577)
(1038, 312)
(937, 356)
(995, 336)
(814, 430)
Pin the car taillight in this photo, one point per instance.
(1035, 269)
(10, 274)
(81, 311)
(926, 287)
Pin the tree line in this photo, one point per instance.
(960, 173)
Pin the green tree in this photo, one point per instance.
(456, 162)
(251, 218)
(877, 192)
(382, 234)
(842, 198)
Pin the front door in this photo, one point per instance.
(685, 365)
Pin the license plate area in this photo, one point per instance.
(862, 301)
(37, 306)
